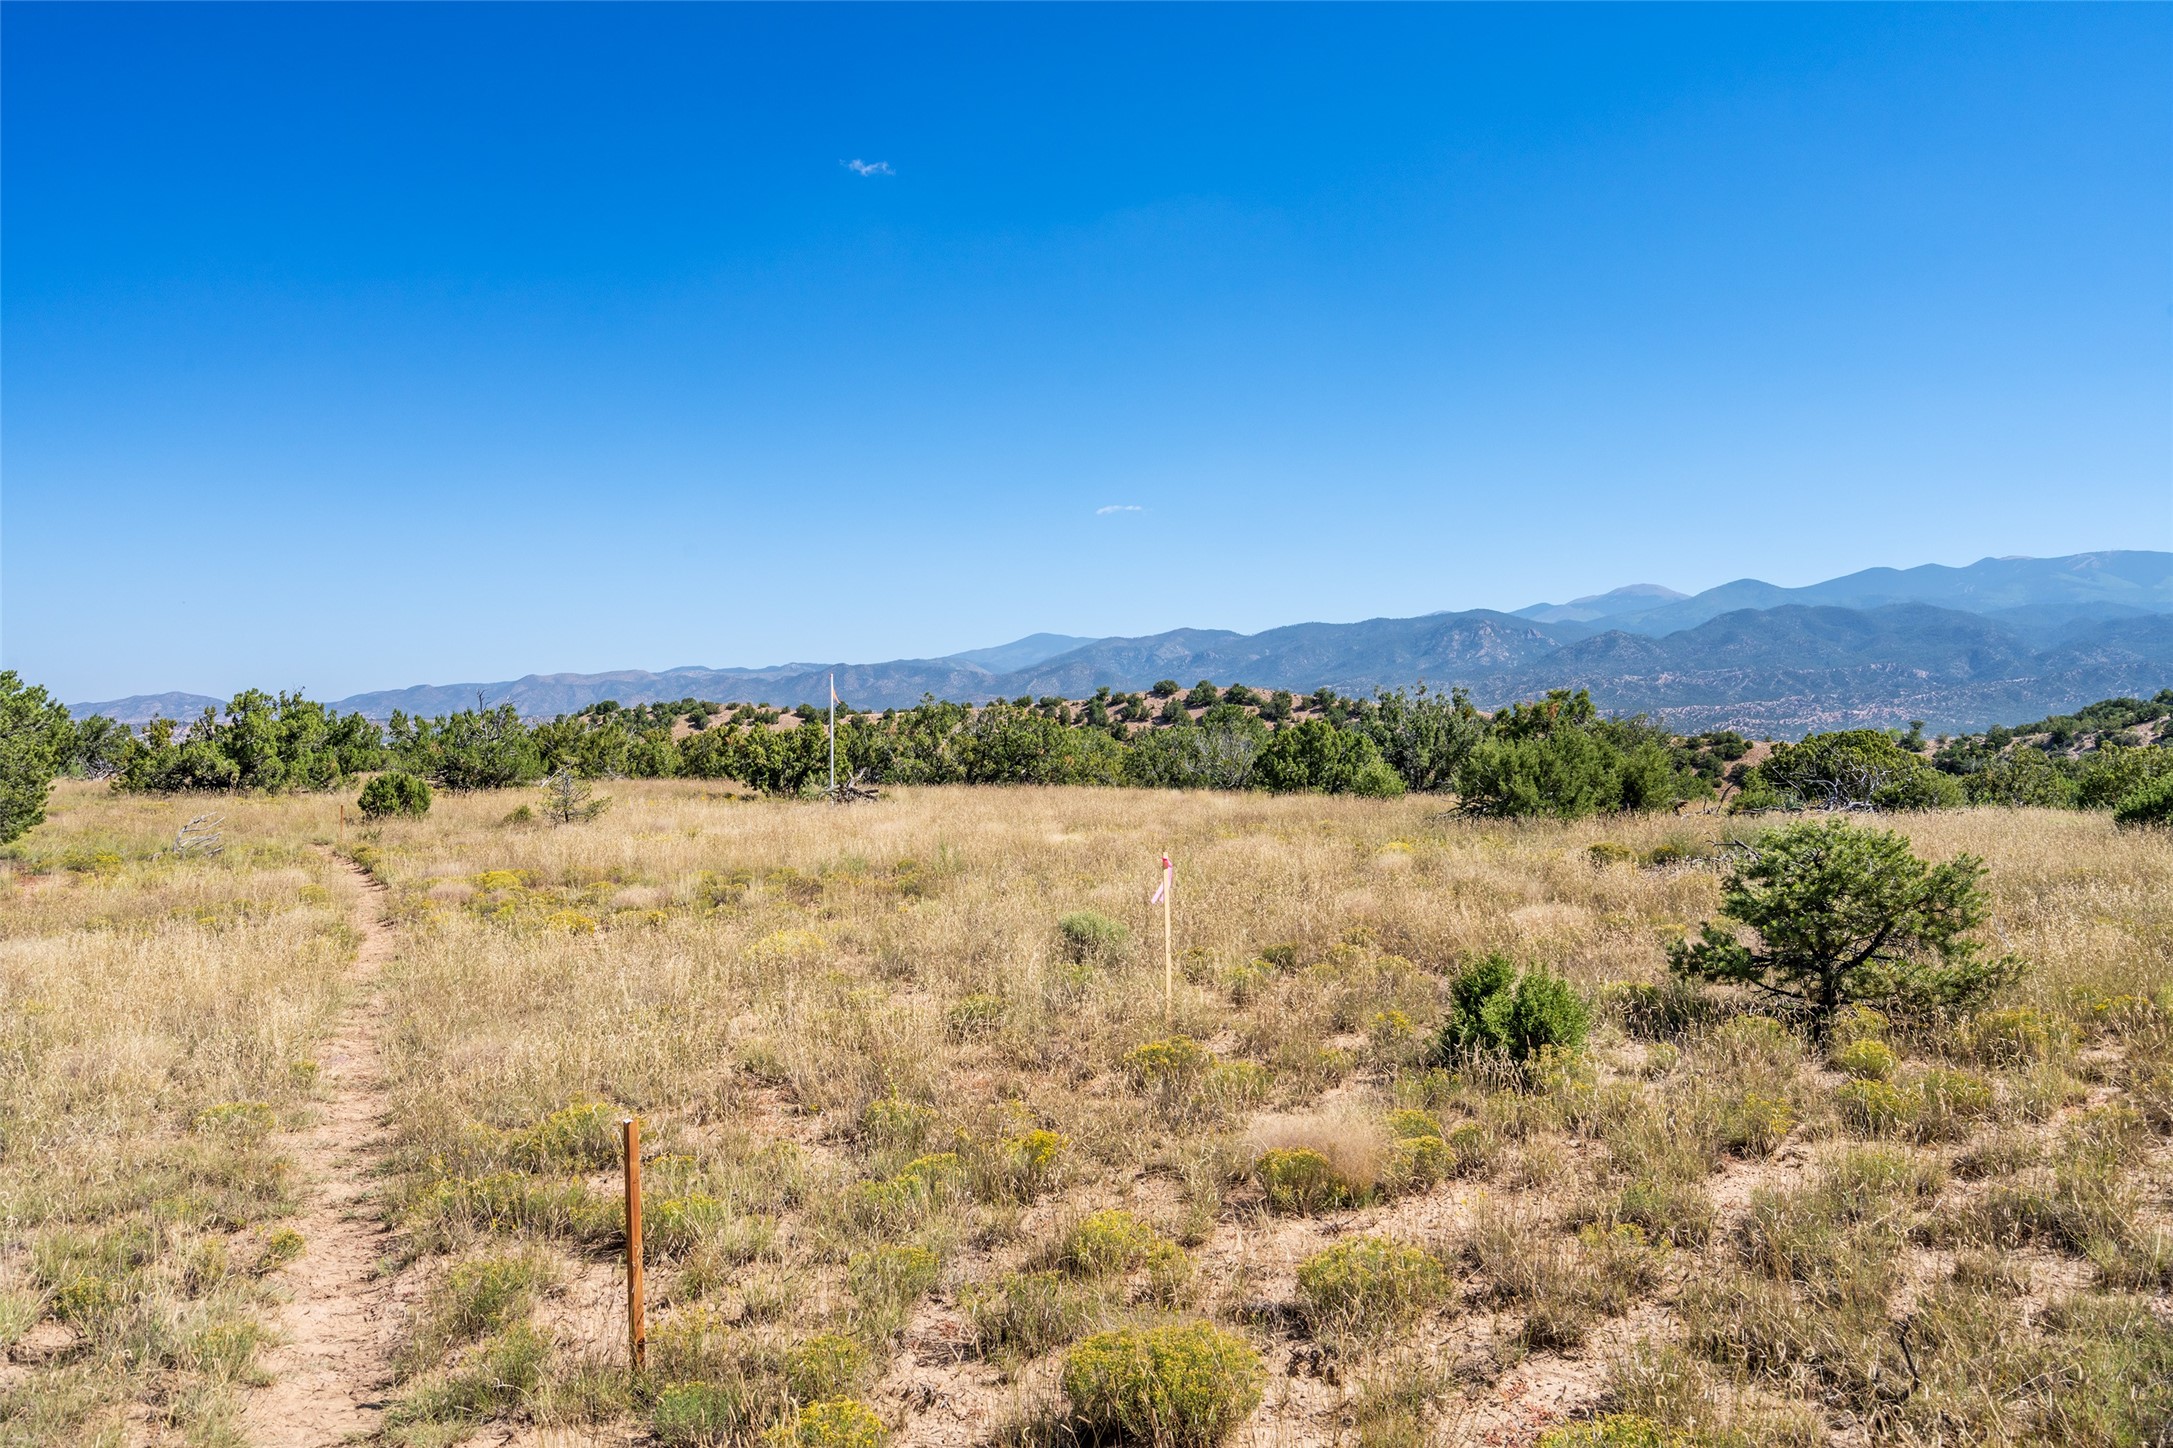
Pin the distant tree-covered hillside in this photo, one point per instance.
(1557, 755)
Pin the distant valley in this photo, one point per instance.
(2000, 640)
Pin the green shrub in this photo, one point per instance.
(1949, 1103)
(1114, 1242)
(1416, 1162)
(1495, 1010)
(248, 1120)
(1300, 1181)
(1088, 936)
(394, 794)
(1755, 1123)
(827, 1365)
(1616, 1430)
(1370, 1283)
(1757, 1041)
(480, 1296)
(892, 1270)
(1409, 1123)
(2111, 776)
(675, 1225)
(1858, 1022)
(1863, 768)
(889, 1123)
(281, 1247)
(696, 1415)
(582, 1137)
(1018, 1167)
(1318, 757)
(502, 1375)
(1187, 1386)
(1473, 1147)
(1666, 1210)
(2150, 806)
(1174, 1058)
(1185, 1080)
(833, 1423)
(2009, 1037)
(1873, 1108)
(1865, 1060)
(1663, 1011)
(2021, 779)
(975, 1015)
(507, 1201)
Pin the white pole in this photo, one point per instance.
(833, 736)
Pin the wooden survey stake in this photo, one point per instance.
(637, 1329)
(1169, 974)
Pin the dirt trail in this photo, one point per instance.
(331, 1373)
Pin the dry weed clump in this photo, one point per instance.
(916, 1116)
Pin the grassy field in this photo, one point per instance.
(917, 1127)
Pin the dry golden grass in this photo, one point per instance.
(883, 1095)
(157, 1022)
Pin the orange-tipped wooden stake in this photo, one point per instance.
(637, 1329)
(1169, 975)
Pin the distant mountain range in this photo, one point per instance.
(2000, 641)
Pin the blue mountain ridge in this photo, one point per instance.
(1998, 641)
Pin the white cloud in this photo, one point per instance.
(868, 168)
(1116, 508)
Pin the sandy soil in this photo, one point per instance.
(331, 1370)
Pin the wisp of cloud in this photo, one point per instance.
(868, 168)
(1104, 512)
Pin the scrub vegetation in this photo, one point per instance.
(1456, 1128)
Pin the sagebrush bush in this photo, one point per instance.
(1948, 1104)
(1369, 1284)
(2009, 1037)
(1090, 937)
(1114, 1241)
(833, 1423)
(894, 1125)
(1755, 1123)
(1417, 1162)
(1873, 1108)
(1186, 1386)
(582, 1137)
(975, 1015)
(1616, 1430)
(1301, 1181)
(1175, 1060)
(1865, 1060)
(827, 1365)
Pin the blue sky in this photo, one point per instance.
(357, 347)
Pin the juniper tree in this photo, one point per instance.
(1841, 914)
(35, 737)
(568, 799)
